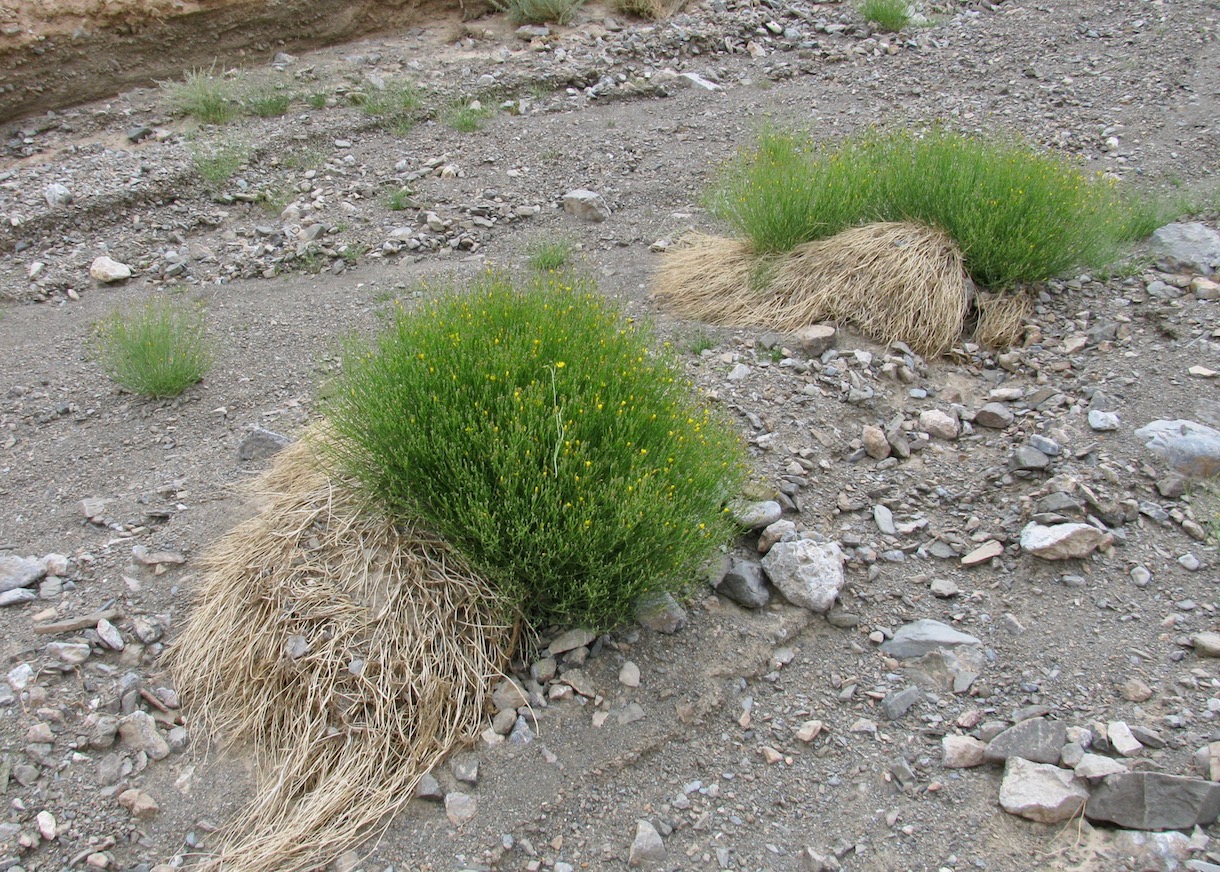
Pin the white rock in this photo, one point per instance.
(71, 653)
(18, 572)
(808, 574)
(1041, 792)
(940, 424)
(629, 675)
(57, 195)
(107, 270)
(460, 808)
(647, 847)
(1122, 740)
(110, 635)
(46, 825)
(1062, 541)
(1099, 766)
(1191, 448)
(586, 205)
(1103, 422)
(20, 676)
(961, 752)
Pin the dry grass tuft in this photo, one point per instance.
(400, 643)
(1001, 318)
(892, 281)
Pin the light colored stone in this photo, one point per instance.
(586, 205)
(570, 641)
(1103, 422)
(46, 825)
(995, 416)
(661, 614)
(140, 804)
(939, 424)
(460, 808)
(985, 553)
(961, 752)
(756, 515)
(139, 732)
(71, 653)
(919, 637)
(1191, 246)
(647, 847)
(18, 572)
(1062, 541)
(629, 675)
(1122, 740)
(807, 573)
(1041, 792)
(107, 270)
(1192, 449)
(1098, 766)
(1207, 644)
(943, 588)
(876, 445)
(110, 635)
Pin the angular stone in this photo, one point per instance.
(939, 424)
(1036, 739)
(465, 768)
(895, 705)
(1207, 644)
(661, 614)
(71, 653)
(140, 804)
(1098, 766)
(586, 205)
(1103, 422)
(647, 847)
(996, 416)
(1121, 739)
(744, 584)
(629, 675)
(782, 530)
(571, 640)
(961, 752)
(1062, 541)
(756, 516)
(985, 553)
(919, 637)
(429, 788)
(139, 732)
(460, 808)
(17, 597)
(1152, 801)
(260, 444)
(1190, 246)
(808, 574)
(1192, 449)
(948, 670)
(107, 270)
(1156, 852)
(508, 696)
(816, 339)
(1041, 792)
(1028, 458)
(17, 572)
(876, 445)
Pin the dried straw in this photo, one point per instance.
(402, 643)
(1001, 318)
(894, 281)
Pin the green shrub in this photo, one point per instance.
(157, 350)
(467, 117)
(268, 104)
(394, 105)
(400, 199)
(203, 96)
(216, 164)
(538, 11)
(538, 431)
(548, 255)
(888, 15)
(1019, 214)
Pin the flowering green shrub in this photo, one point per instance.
(546, 438)
(1018, 213)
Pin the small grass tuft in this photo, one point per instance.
(547, 438)
(268, 104)
(467, 116)
(1018, 213)
(204, 96)
(538, 11)
(217, 164)
(394, 106)
(550, 255)
(156, 350)
(317, 99)
(888, 15)
(400, 199)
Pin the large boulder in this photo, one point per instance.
(809, 574)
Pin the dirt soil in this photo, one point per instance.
(299, 246)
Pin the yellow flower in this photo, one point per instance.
(559, 364)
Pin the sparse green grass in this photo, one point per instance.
(547, 438)
(268, 104)
(156, 350)
(887, 15)
(353, 252)
(400, 199)
(273, 201)
(700, 342)
(395, 106)
(549, 255)
(204, 96)
(467, 117)
(216, 164)
(538, 11)
(1018, 213)
(316, 99)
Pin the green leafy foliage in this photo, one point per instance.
(156, 350)
(545, 437)
(204, 96)
(888, 15)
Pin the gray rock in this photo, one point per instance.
(260, 444)
(460, 808)
(1154, 852)
(739, 372)
(465, 768)
(661, 614)
(1041, 792)
(586, 205)
(943, 588)
(1062, 541)
(884, 519)
(1046, 445)
(17, 597)
(1192, 449)
(895, 705)
(1187, 245)
(647, 847)
(1027, 457)
(521, 733)
(429, 788)
(1152, 801)
(807, 573)
(71, 653)
(571, 640)
(1036, 739)
(1207, 644)
(782, 530)
(1097, 766)
(948, 670)
(876, 444)
(1103, 422)
(756, 516)
(961, 752)
(997, 416)
(508, 696)
(139, 732)
(629, 674)
(57, 195)
(17, 572)
(533, 31)
(920, 637)
(744, 584)
(816, 339)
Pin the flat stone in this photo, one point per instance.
(1134, 690)
(1035, 739)
(895, 705)
(1103, 422)
(661, 614)
(1206, 644)
(629, 675)
(807, 573)
(260, 444)
(1122, 740)
(940, 425)
(884, 519)
(943, 588)
(460, 808)
(757, 515)
(744, 584)
(71, 653)
(1062, 541)
(1191, 448)
(996, 416)
(1027, 457)
(647, 847)
(1190, 246)
(19, 572)
(920, 637)
(961, 752)
(985, 553)
(948, 670)
(1041, 792)
(586, 205)
(107, 270)
(571, 640)
(816, 339)
(17, 597)
(1152, 801)
(1094, 766)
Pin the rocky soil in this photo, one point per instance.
(1069, 572)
